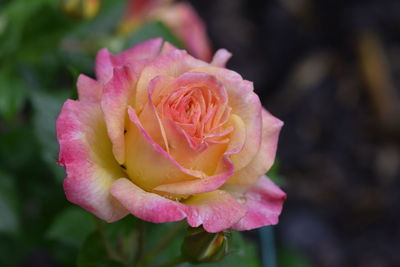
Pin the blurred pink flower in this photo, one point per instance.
(165, 136)
(180, 18)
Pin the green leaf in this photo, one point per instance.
(12, 92)
(8, 204)
(151, 30)
(46, 110)
(168, 237)
(94, 253)
(290, 258)
(71, 226)
(15, 18)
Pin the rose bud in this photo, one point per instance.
(80, 9)
(164, 136)
(200, 246)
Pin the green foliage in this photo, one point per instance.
(290, 258)
(71, 226)
(12, 93)
(94, 253)
(46, 107)
(8, 205)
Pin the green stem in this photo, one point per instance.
(172, 263)
(161, 245)
(110, 251)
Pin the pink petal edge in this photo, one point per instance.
(89, 89)
(264, 202)
(89, 172)
(216, 211)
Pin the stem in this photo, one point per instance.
(161, 245)
(110, 251)
(172, 263)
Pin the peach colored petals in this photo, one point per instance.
(147, 206)
(91, 169)
(265, 157)
(119, 76)
(166, 137)
(264, 203)
(216, 211)
(140, 54)
(89, 89)
(220, 58)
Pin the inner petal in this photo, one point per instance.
(198, 105)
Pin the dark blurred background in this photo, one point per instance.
(330, 70)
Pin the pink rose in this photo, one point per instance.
(165, 136)
(180, 18)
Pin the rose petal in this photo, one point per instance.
(137, 56)
(172, 64)
(143, 52)
(246, 104)
(264, 203)
(85, 151)
(238, 136)
(151, 120)
(220, 58)
(118, 93)
(143, 154)
(89, 89)
(198, 186)
(265, 157)
(169, 176)
(147, 206)
(216, 211)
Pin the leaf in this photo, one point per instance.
(71, 226)
(290, 258)
(12, 93)
(94, 253)
(46, 110)
(15, 18)
(151, 30)
(169, 235)
(8, 204)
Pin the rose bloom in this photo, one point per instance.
(180, 18)
(164, 136)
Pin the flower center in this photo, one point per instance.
(200, 113)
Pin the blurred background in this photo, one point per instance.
(329, 69)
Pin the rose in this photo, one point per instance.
(180, 18)
(164, 136)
